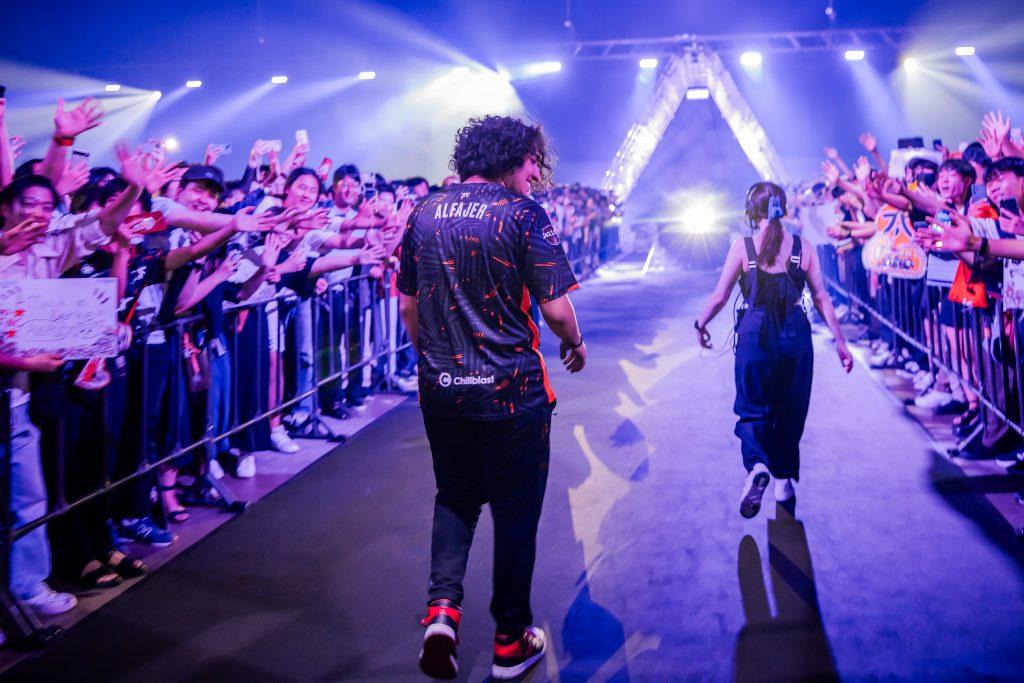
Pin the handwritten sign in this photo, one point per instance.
(76, 318)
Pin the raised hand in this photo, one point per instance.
(22, 236)
(74, 177)
(133, 166)
(862, 169)
(296, 158)
(950, 238)
(161, 174)
(830, 172)
(229, 266)
(17, 142)
(371, 254)
(85, 116)
(272, 249)
(868, 141)
(998, 124)
(212, 153)
(831, 153)
(316, 219)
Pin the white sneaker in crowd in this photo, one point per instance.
(784, 490)
(933, 399)
(50, 602)
(216, 471)
(281, 441)
(923, 380)
(247, 466)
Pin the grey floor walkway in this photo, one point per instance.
(646, 572)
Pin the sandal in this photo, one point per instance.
(127, 567)
(178, 514)
(100, 577)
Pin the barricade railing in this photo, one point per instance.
(975, 347)
(351, 328)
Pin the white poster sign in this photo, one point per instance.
(75, 318)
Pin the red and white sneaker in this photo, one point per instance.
(514, 658)
(438, 657)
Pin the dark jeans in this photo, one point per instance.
(504, 463)
(774, 369)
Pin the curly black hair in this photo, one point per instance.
(494, 146)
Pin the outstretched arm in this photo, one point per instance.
(823, 303)
(719, 297)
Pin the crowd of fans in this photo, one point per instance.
(236, 297)
(897, 232)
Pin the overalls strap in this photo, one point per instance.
(748, 242)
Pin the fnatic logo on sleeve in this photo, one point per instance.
(550, 235)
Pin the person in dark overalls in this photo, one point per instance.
(774, 355)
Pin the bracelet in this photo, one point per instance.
(63, 141)
(697, 326)
(578, 345)
(983, 247)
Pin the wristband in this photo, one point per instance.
(983, 247)
(578, 345)
(63, 141)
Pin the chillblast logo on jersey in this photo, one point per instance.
(460, 210)
(446, 380)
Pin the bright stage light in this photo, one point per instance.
(367, 75)
(751, 59)
(157, 95)
(649, 63)
(193, 84)
(460, 71)
(542, 68)
(910, 64)
(171, 143)
(854, 55)
(698, 94)
(278, 80)
(112, 87)
(964, 51)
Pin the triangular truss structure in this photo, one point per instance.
(698, 71)
(691, 68)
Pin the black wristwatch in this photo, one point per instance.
(983, 247)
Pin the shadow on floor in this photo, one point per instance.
(790, 645)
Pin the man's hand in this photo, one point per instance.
(949, 238)
(133, 166)
(74, 177)
(997, 124)
(320, 287)
(297, 158)
(1011, 222)
(161, 174)
(371, 254)
(229, 266)
(43, 362)
(85, 116)
(845, 357)
(990, 143)
(272, 247)
(22, 236)
(315, 219)
(869, 142)
(244, 221)
(574, 359)
(212, 153)
(862, 169)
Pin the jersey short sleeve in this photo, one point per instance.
(407, 266)
(545, 268)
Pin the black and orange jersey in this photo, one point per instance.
(473, 255)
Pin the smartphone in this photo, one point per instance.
(1010, 205)
(274, 145)
(910, 143)
(937, 144)
(978, 192)
(302, 137)
(942, 216)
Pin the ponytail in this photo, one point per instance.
(767, 200)
(772, 242)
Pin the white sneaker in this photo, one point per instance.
(923, 380)
(933, 399)
(50, 602)
(247, 466)
(216, 471)
(753, 490)
(784, 490)
(282, 442)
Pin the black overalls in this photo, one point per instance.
(774, 364)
